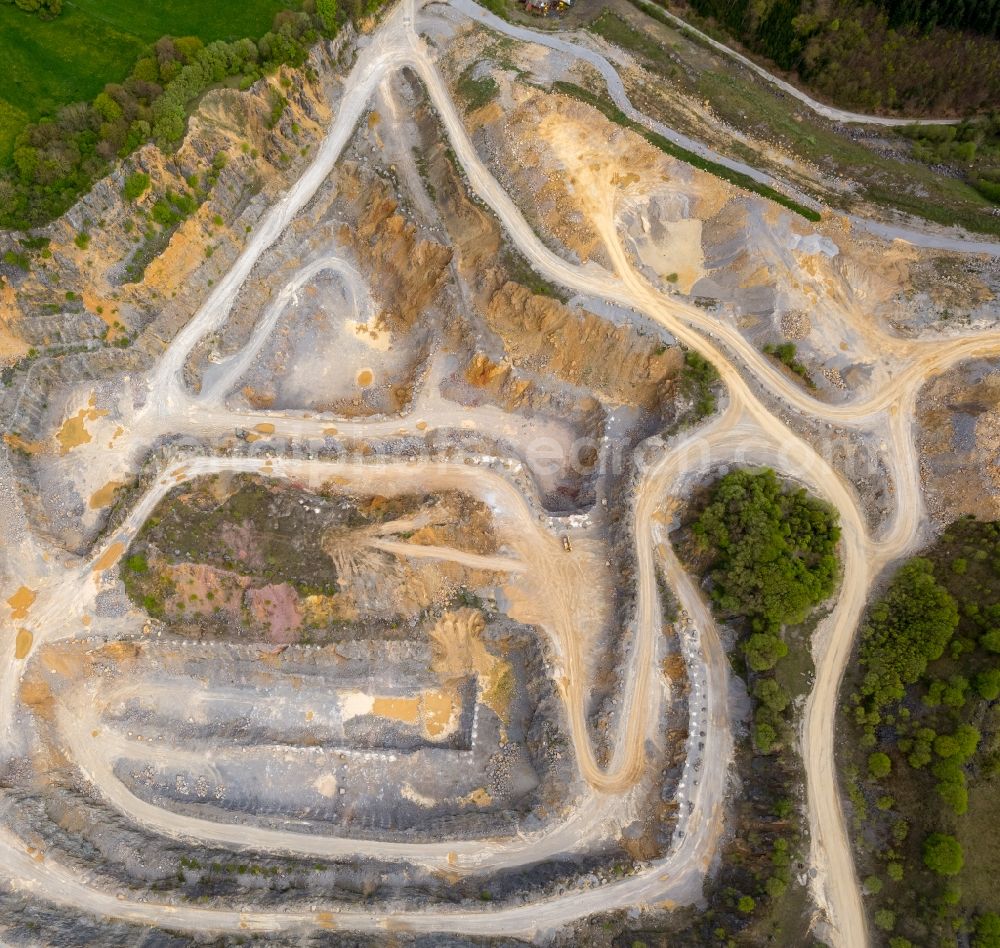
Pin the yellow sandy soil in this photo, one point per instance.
(20, 602)
(12, 346)
(110, 556)
(22, 644)
(73, 431)
(103, 496)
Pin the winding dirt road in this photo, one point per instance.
(746, 432)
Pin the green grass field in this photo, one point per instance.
(49, 63)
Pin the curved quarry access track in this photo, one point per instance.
(749, 430)
(820, 108)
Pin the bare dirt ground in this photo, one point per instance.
(958, 418)
(324, 566)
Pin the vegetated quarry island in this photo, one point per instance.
(474, 478)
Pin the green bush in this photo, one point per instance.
(787, 354)
(152, 605)
(173, 208)
(943, 854)
(987, 684)
(135, 185)
(326, 10)
(746, 904)
(764, 737)
(950, 693)
(879, 765)
(990, 640)
(697, 379)
(945, 745)
(771, 695)
(885, 919)
(951, 895)
(46, 9)
(20, 260)
(908, 628)
(923, 744)
(764, 650)
(988, 189)
(986, 931)
(773, 555)
(968, 738)
(775, 887)
(954, 795)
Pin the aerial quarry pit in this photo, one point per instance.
(344, 605)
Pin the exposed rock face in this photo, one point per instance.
(624, 368)
(409, 272)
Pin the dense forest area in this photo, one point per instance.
(979, 16)
(921, 745)
(914, 56)
(774, 17)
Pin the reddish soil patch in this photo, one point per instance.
(277, 607)
(205, 590)
(242, 540)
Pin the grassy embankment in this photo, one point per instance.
(50, 63)
(611, 111)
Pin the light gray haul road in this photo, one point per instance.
(747, 431)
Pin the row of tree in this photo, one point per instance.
(771, 557)
(47, 9)
(768, 551)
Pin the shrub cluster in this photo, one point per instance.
(46, 9)
(773, 555)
